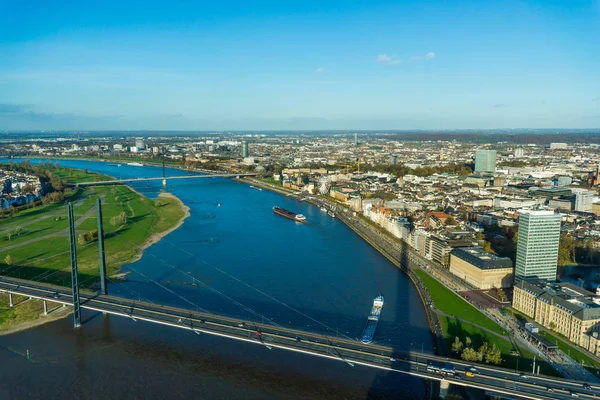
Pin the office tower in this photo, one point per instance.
(485, 161)
(355, 139)
(537, 246)
(244, 149)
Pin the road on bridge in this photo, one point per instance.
(352, 352)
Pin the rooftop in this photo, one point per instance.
(480, 258)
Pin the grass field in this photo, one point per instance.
(450, 303)
(41, 250)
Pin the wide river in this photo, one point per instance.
(318, 276)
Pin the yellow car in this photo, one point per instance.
(469, 374)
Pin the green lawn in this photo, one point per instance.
(450, 303)
(453, 327)
(47, 259)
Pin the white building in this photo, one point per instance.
(519, 152)
(556, 146)
(583, 200)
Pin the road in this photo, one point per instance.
(272, 337)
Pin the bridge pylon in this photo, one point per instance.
(103, 287)
(74, 272)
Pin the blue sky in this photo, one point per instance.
(231, 65)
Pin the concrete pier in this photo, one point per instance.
(444, 387)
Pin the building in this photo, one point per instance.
(245, 152)
(439, 248)
(481, 269)
(355, 138)
(485, 161)
(537, 246)
(583, 200)
(558, 146)
(519, 152)
(565, 308)
(140, 144)
(564, 181)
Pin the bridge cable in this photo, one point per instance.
(244, 283)
(205, 285)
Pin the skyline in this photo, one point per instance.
(314, 66)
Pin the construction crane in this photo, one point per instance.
(348, 166)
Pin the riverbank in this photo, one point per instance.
(156, 237)
(26, 314)
(34, 243)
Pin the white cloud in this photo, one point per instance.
(384, 58)
(320, 70)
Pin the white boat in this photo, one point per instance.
(323, 209)
(331, 214)
(135, 164)
(255, 188)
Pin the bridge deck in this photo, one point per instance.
(120, 181)
(352, 352)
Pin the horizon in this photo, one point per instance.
(314, 66)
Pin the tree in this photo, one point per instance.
(493, 355)
(27, 188)
(487, 246)
(469, 354)
(515, 238)
(501, 294)
(468, 341)
(450, 221)
(123, 217)
(566, 250)
(457, 346)
(8, 260)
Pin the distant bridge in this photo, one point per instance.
(163, 179)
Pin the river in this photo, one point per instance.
(256, 266)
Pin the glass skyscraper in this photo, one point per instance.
(485, 161)
(537, 246)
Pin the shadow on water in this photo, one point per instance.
(386, 379)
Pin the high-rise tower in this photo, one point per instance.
(537, 246)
